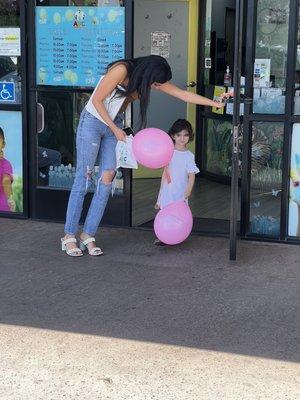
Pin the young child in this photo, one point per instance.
(178, 177)
(6, 179)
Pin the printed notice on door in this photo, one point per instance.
(74, 45)
(10, 44)
(218, 91)
(160, 43)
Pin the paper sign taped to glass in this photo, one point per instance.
(10, 42)
(262, 72)
(218, 91)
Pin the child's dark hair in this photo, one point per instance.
(180, 125)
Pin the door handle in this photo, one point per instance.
(40, 118)
(191, 84)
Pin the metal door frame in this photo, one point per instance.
(236, 129)
(288, 119)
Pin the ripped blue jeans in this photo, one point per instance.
(95, 144)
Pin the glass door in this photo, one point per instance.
(267, 126)
(211, 205)
(72, 44)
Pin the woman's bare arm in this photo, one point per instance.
(190, 185)
(186, 96)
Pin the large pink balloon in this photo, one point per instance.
(152, 148)
(174, 223)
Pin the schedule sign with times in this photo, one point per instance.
(74, 45)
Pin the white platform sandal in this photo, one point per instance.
(76, 252)
(83, 244)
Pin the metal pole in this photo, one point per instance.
(236, 128)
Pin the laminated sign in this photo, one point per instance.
(160, 43)
(10, 43)
(218, 91)
(74, 45)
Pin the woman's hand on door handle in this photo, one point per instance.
(191, 84)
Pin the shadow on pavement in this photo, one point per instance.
(188, 295)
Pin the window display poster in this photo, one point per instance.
(74, 45)
(218, 91)
(11, 162)
(10, 42)
(262, 71)
(294, 202)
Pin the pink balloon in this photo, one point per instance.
(174, 223)
(152, 148)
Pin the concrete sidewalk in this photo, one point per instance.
(145, 323)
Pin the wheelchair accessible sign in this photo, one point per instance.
(7, 91)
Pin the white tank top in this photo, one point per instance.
(112, 103)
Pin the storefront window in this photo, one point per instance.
(297, 73)
(219, 41)
(75, 41)
(10, 52)
(81, 3)
(266, 178)
(11, 162)
(56, 143)
(219, 51)
(217, 145)
(9, 13)
(269, 76)
(294, 204)
(207, 50)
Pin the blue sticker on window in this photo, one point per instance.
(7, 91)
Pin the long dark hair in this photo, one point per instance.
(142, 72)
